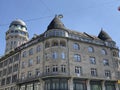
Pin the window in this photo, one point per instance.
(47, 69)
(63, 68)
(77, 57)
(10, 60)
(38, 48)
(54, 43)
(23, 64)
(29, 87)
(30, 62)
(37, 59)
(4, 72)
(90, 49)
(24, 54)
(105, 62)
(47, 44)
(14, 78)
(8, 80)
(103, 51)
(9, 70)
(107, 73)
(56, 84)
(55, 68)
(78, 70)
(1, 64)
(93, 72)
(15, 68)
(3, 81)
(5, 63)
(22, 76)
(54, 55)
(37, 72)
(37, 86)
(29, 73)
(62, 44)
(76, 46)
(63, 55)
(92, 60)
(31, 51)
(0, 73)
(16, 57)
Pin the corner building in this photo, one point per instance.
(61, 59)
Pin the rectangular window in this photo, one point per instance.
(5, 63)
(55, 68)
(30, 62)
(54, 55)
(93, 72)
(15, 68)
(37, 59)
(29, 73)
(92, 60)
(24, 54)
(107, 73)
(38, 48)
(9, 70)
(10, 60)
(63, 55)
(16, 57)
(78, 70)
(105, 62)
(4, 72)
(14, 78)
(8, 80)
(3, 81)
(23, 64)
(31, 51)
(0, 73)
(1, 64)
(37, 72)
(63, 68)
(22, 76)
(47, 69)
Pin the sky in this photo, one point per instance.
(80, 15)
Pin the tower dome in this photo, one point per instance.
(16, 35)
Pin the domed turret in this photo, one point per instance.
(16, 35)
(18, 22)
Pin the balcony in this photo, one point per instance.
(42, 76)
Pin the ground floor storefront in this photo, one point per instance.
(69, 84)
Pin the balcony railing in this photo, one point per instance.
(43, 75)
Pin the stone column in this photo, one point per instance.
(88, 84)
(70, 84)
(103, 85)
(41, 84)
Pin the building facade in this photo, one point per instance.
(60, 59)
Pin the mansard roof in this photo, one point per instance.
(56, 24)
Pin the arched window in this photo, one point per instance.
(63, 43)
(90, 49)
(76, 46)
(55, 43)
(47, 44)
(104, 52)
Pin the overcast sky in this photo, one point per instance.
(80, 15)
